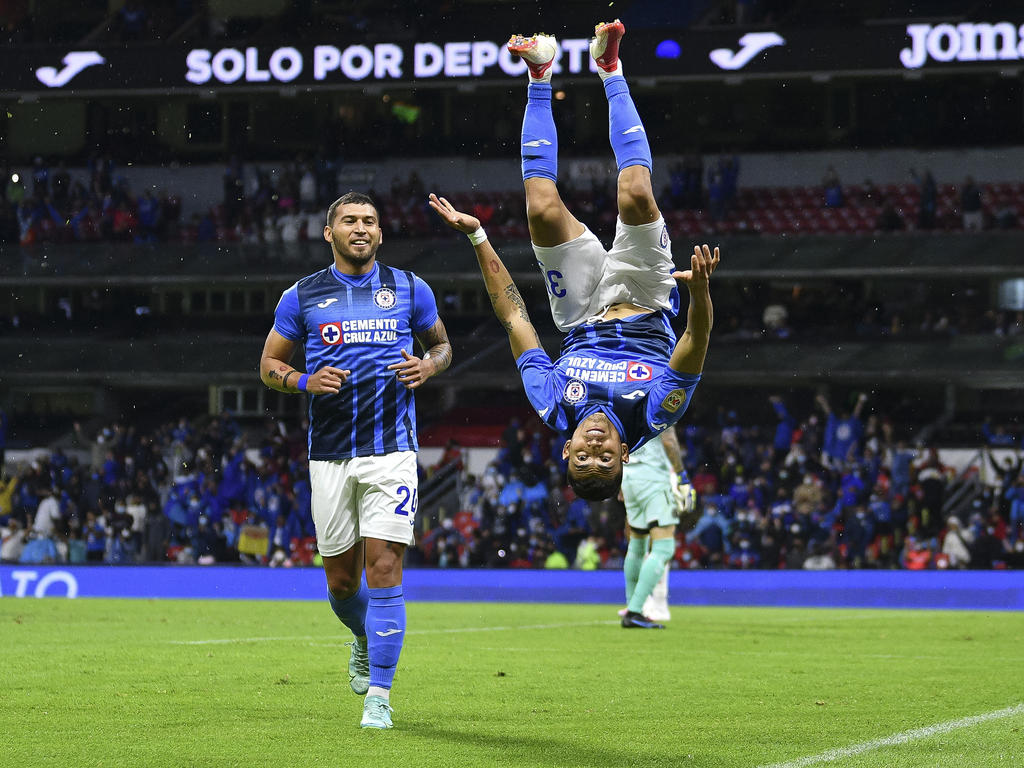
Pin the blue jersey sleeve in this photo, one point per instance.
(537, 373)
(426, 307)
(670, 397)
(288, 318)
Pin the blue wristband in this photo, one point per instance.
(301, 385)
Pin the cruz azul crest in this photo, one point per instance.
(385, 298)
(575, 392)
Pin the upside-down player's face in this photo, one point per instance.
(595, 448)
(354, 234)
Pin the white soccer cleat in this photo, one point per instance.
(604, 48)
(538, 51)
(376, 713)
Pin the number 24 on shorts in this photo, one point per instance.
(409, 500)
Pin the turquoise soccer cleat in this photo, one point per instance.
(359, 667)
(376, 713)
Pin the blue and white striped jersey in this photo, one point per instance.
(619, 367)
(358, 323)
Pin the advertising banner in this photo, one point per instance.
(662, 55)
(973, 590)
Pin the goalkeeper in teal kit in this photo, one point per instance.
(657, 495)
(622, 377)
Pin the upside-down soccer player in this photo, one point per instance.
(622, 378)
(356, 320)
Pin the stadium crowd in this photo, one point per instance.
(284, 206)
(820, 488)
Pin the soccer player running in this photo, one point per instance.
(622, 377)
(655, 498)
(355, 320)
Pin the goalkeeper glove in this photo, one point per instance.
(685, 496)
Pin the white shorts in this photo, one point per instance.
(364, 497)
(583, 279)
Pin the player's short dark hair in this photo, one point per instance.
(350, 198)
(594, 486)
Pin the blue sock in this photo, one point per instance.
(625, 130)
(539, 140)
(352, 610)
(385, 620)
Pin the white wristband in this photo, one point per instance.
(477, 237)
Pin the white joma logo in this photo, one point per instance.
(633, 395)
(634, 129)
(962, 42)
(74, 63)
(752, 44)
(326, 303)
(537, 143)
(389, 632)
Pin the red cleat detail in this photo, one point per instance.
(538, 51)
(605, 46)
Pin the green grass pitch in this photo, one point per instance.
(95, 682)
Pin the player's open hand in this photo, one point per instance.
(327, 381)
(463, 222)
(702, 263)
(413, 371)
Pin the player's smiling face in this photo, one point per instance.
(595, 447)
(354, 236)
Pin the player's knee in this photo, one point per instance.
(663, 549)
(342, 585)
(545, 211)
(636, 198)
(385, 571)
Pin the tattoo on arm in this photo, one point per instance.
(279, 379)
(435, 340)
(512, 293)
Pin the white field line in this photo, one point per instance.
(453, 630)
(900, 738)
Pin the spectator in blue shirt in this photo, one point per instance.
(998, 436)
(783, 430)
(843, 432)
(710, 529)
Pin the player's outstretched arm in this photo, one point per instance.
(277, 372)
(505, 299)
(688, 355)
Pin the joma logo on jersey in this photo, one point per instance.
(330, 333)
(639, 372)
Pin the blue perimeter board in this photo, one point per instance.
(964, 590)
